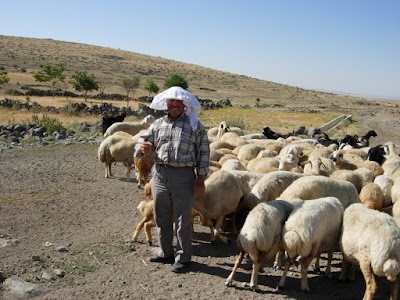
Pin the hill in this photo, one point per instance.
(277, 105)
(21, 57)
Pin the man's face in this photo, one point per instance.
(175, 108)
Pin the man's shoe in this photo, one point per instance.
(178, 267)
(163, 260)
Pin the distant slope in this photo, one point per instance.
(21, 57)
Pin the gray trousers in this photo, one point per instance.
(173, 191)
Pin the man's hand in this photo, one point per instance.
(146, 147)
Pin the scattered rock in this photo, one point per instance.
(62, 248)
(18, 287)
(59, 272)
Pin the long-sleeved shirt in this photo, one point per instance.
(177, 144)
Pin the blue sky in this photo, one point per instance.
(346, 46)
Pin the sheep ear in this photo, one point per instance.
(324, 166)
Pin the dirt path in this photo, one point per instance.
(57, 196)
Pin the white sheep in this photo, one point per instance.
(371, 240)
(217, 144)
(254, 136)
(130, 127)
(373, 166)
(260, 236)
(263, 164)
(221, 198)
(313, 227)
(392, 162)
(267, 153)
(247, 180)
(395, 191)
(116, 148)
(319, 166)
(342, 163)
(233, 164)
(315, 186)
(350, 176)
(290, 162)
(269, 187)
(366, 174)
(248, 152)
(385, 182)
(293, 149)
(233, 139)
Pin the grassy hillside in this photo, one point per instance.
(280, 106)
(21, 57)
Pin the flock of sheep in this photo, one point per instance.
(355, 205)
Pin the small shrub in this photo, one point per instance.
(70, 108)
(51, 124)
(9, 92)
(235, 122)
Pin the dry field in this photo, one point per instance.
(57, 195)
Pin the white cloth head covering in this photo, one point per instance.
(176, 92)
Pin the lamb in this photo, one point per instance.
(147, 222)
(371, 196)
(260, 236)
(221, 198)
(116, 148)
(315, 186)
(269, 187)
(312, 227)
(146, 209)
(130, 127)
(143, 167)
(371, 240)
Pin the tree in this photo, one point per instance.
(176, 80)
(130, 85)
(151, 86)
(84, 82)
(4, 78)
(103, 83)
(50, 73)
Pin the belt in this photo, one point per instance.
(172, 167)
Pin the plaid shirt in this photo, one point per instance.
(177, 144)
